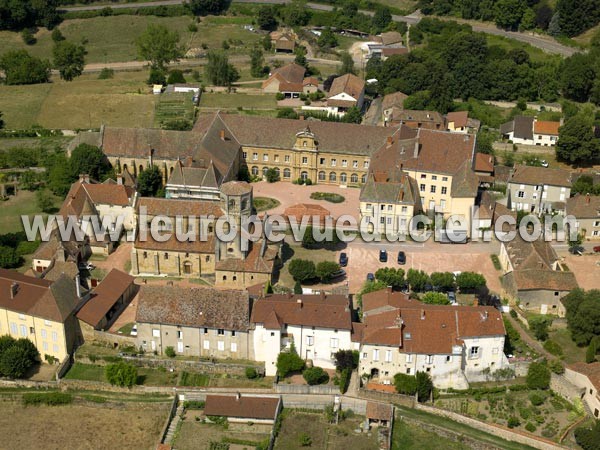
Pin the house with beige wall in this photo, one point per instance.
(201, 322)
(587, 378)
(41, 311)
(538, 190)
(586, 209)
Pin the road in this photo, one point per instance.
(544, 43)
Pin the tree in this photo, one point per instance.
(15, 362)
(288, 361)
(346, 359)
(347, 63)
(159, 46)
(583, 185)
(157, 76)
(381, 19)
(417, 279)
(57, 36)
(69, 59)
(588, 438)
(592, 350)
(538, 375)
(327, 39)
(442, 280)
(287, 113)
(352, 115)
(576, 140)
(8, 257)
(121, 374)
(300, 56)
(470, 281)
(315, 375)
(60, 174)
(206, 7)
(424, 386)
(405, 384)
(175, 77)
(583, 315)
(302, 270)
(508, 13)
(539, 325)
(218, 70)
(89, 160)
(577, 16)
(543, 15)
(297, 288)
(295, 14)
(435, 298)
(6, 341)
(170, 352)
(272, 175)
(149, 182)
(577, 74)
(325, 270)
(391, 277)
(21, 68)
(266, 19)
(251, 373)
(15, 15)
(257, 62)
(44, 200)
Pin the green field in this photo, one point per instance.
(409, 436)
(536, 54)
(174, 106)
(112, 38)
(86, 102)
(233, 101)
(572, 353)
(13, 208)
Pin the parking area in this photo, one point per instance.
(585, 267)
(429, 257)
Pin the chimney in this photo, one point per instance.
(587, 199)
(422, 314)
(238, 396)
(84, 177)
(389, 141)
(299, 302)
(301, 117)
(78, 285)
(120, 179)
(14, 288)
(222, 134)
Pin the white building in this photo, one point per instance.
(455, 345)
(530, 131)
(587, 378)
(317, 325)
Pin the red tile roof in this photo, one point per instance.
(592, 371)
(484, 163)
(244, 406)
(349, 84)
(460, 118)
(546, 127)
(379, 411)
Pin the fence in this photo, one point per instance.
(305, 389)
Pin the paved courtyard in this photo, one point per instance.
(586, 267)
(290, 194)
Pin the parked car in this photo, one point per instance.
(133, 331)
(86, 266)
(383, 255)
(597, 249)
(338, 274)
(544, 163)
(343, 259)
(370, 277)
(451, 296)
(576, 250)
(401, 258)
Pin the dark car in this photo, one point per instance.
(338, 274)
(383, 255)
(343, 259)
(576, 250)
(597, 249)
(401, 258)
(451, 296)
(370, 277)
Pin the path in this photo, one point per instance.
(533, 343)
(544, 43)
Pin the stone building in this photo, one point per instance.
(586, 209)
(538, 190)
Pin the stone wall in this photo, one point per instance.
(562, 386)
(115, 340)
(305, 389)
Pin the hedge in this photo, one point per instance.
(50, 399)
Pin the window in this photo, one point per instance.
(363, 178)
(254, 170)
(333, 162)
(409, 358)
(422, 188)
(408, 371)
(206, 345)
(443, 205)
(166, 256)
(354, 178)
(365, 355)
(521, 194)
(55, 348)
(23, 330)
(245, 155)
(254, 156)
(47, 323)
(369, 207)
(220, 346)
(322, 161)
(448, 358)
(495, 351)
(355, 164)
(276, 158)
(434, 177)
(382, 220)
(474, 352)
(332, 176)
(444, 178)
(206, 331)
(343, 178)
(305, 160)
(333, 342)
(265, 158)
(389, 220)
(233, 347)
(375, 355)
(429, 359)
(221, 332)
(344, 163)
(404, 209)
(432, 189)
(287, 173)
(310, 340)
(286, 158)
(597, 223)
(31, 330)
(13, 328)
(44, 334)
(388, 356)
(423, 176)
(444, 190)
(322, 176)
(366, 164)
(179, 334)
(45, 346)
(232, 333)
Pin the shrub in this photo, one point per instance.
(289, 361)
(192, 27)
(556, 366)
(170, 352)
(50, 399)
(17, 357)
(513, 422)
(272, 175)
(513, 314)
(537, 398)
(28, 37)
(304, 440)
(539, 325)
(156, 76)
(325, 269)
(121, 374)
(553, 347)
(588, 438)
(469, 281)
(106, 73)
(176, 76)
(530, 427)
(496, 262)
(315, 375)
(302, 270)
(344, 380)
(405, 384)
(279, 96)
(251, 373)
(538, 376)
(346, 359)
(424, 386)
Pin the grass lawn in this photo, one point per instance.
(241, 382)
(130, 425)
(24, 203)
(572, 353)
(126, 329)
(233, 101)
(193, 379)
(322, 434)
(147, 377)
(21, 105)
(174, 106)
(87, 372)
(45, 143)
(296, 251)
(406, 5)
(412, 437)
(536, 54)
(265, 203)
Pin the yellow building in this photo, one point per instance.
(41, 311)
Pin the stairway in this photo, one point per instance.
(173, 425)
